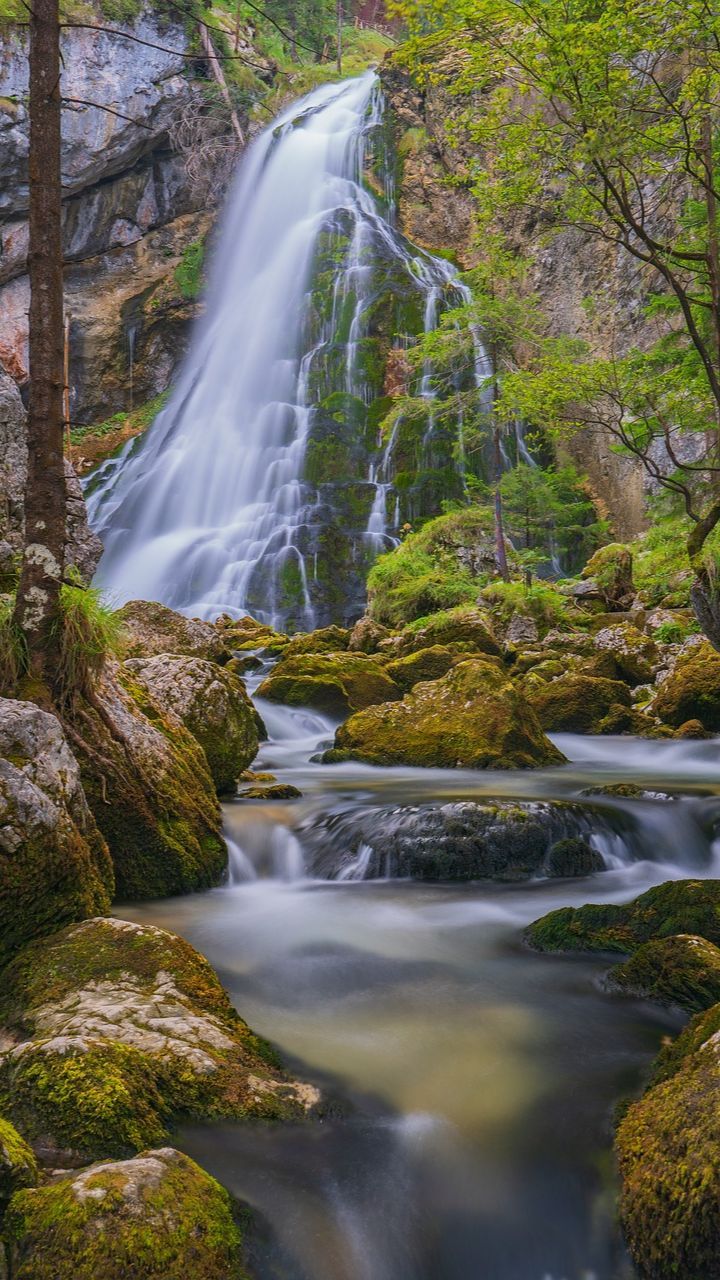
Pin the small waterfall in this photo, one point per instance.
(250, 490)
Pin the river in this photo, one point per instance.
(471, 1082)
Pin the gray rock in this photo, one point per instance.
(522, 630)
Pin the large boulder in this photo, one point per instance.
(635, 655)
(681, 970)
(680, 906)
(610, 570)
(473, 717)
(54, 864)
(576, 703)
(213, 706)
(471, 629)
(120, 1028)
(324, 640)
(691, 691)
(148, 784)
(667, 1149)
(366, 635)
(332, 682)
(423, 664)
(158, 1216)
(150, 628)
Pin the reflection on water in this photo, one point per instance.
(479, 1079)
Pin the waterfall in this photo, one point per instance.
(251, 491)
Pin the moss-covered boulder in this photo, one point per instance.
(212, 704)
(332, 682)
(611, 569)
(635, 655)
(324, 640)
(18, 1166)
(681, 970)
(573, 856)
(470, 628)
(667, 1149)
(366, 635)
(246, 633)
(148, 784)
(679, 906)
(424, 664)
(576, 703)
(150, 628)
(54, 864)
(692, 689)
(472, 717)
(155, 1217)
(119, 1028)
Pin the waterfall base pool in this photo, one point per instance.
(472, 1082)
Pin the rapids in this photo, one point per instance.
(473, 1081)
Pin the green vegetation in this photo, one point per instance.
(135, 421)
(90, 632)
(188, 273)
(680, 906)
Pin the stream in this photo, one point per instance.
(471, 1082)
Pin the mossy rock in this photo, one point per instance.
(18, 1166)
(147, 782)
(573, 856)
(681, 970)
(54, 864)
(575, 703)
(150, 628)
(325, 640)
(472, 717)
(212, 704)
(634, 654)
(692, 690)
(120, 1030)
(239, 634)
(155, 1217)
(470, 627)
(611, 568)
(331, 682)
(424, 664)
(366, 636)
(679, 906)
(667, 1150)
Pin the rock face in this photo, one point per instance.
(83, 548)
(473, 717)
(332, 682)
(155, 1217)
(54, 864)
(151, 628)
(148, 784)
(119, 1028)
(213, 706)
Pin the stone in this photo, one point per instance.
(147, 782)
(424, 664)
(18, 1166)
(120, 1027)
(213, 706)
(682, 970)
(366, 636)
(635, 655)
(331, 682)
(691, 690)
(270, 791)
(325, 640)
(573, 856)
(611, 571)
(680, 906)
(576, 703)
(54, 864)
(157, 1216)
(150, 629)
(522, 630)
(472, 628)
(473, 717)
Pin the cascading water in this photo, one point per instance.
(258, 488)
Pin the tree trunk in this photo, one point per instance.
(339, 14)
(37, 609)
(500, 552)
(705, 591)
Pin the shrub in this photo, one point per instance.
(90, 632)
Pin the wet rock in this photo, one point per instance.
(366, 636)
(151, 628)
(158, 1216)
(147, 782)
(213, 706)
(680, 906)
(325, 640)
(471, 628)
(121, 1027)
(682, 970)
(424, 664)
(472, 717)
(691, 691)
(54, 864)
(628, 720)
(573, 856)
(463, 841)
(692, 729)
(270, 791)
(331, 682)
(576, 703)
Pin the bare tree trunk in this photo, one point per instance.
(37, 609)
(221, 82)
(705, 590)
(339, 35)
(500, 552)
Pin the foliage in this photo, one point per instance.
(13, 653)
(90, 631)
(426, 573)
(189, 271)
(540, 601)
(551, 509)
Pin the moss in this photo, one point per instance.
(681, 970)
(18, 1166)
(428, 571)
(324, 640)
(112, 1222)
(573, 856)
(425, 664)
(463, 626)
(189, 271)
(472, 717)
(577, 703)
(692, 690)
(680, 906)
(331, 682)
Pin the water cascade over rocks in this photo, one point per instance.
(264, 485)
